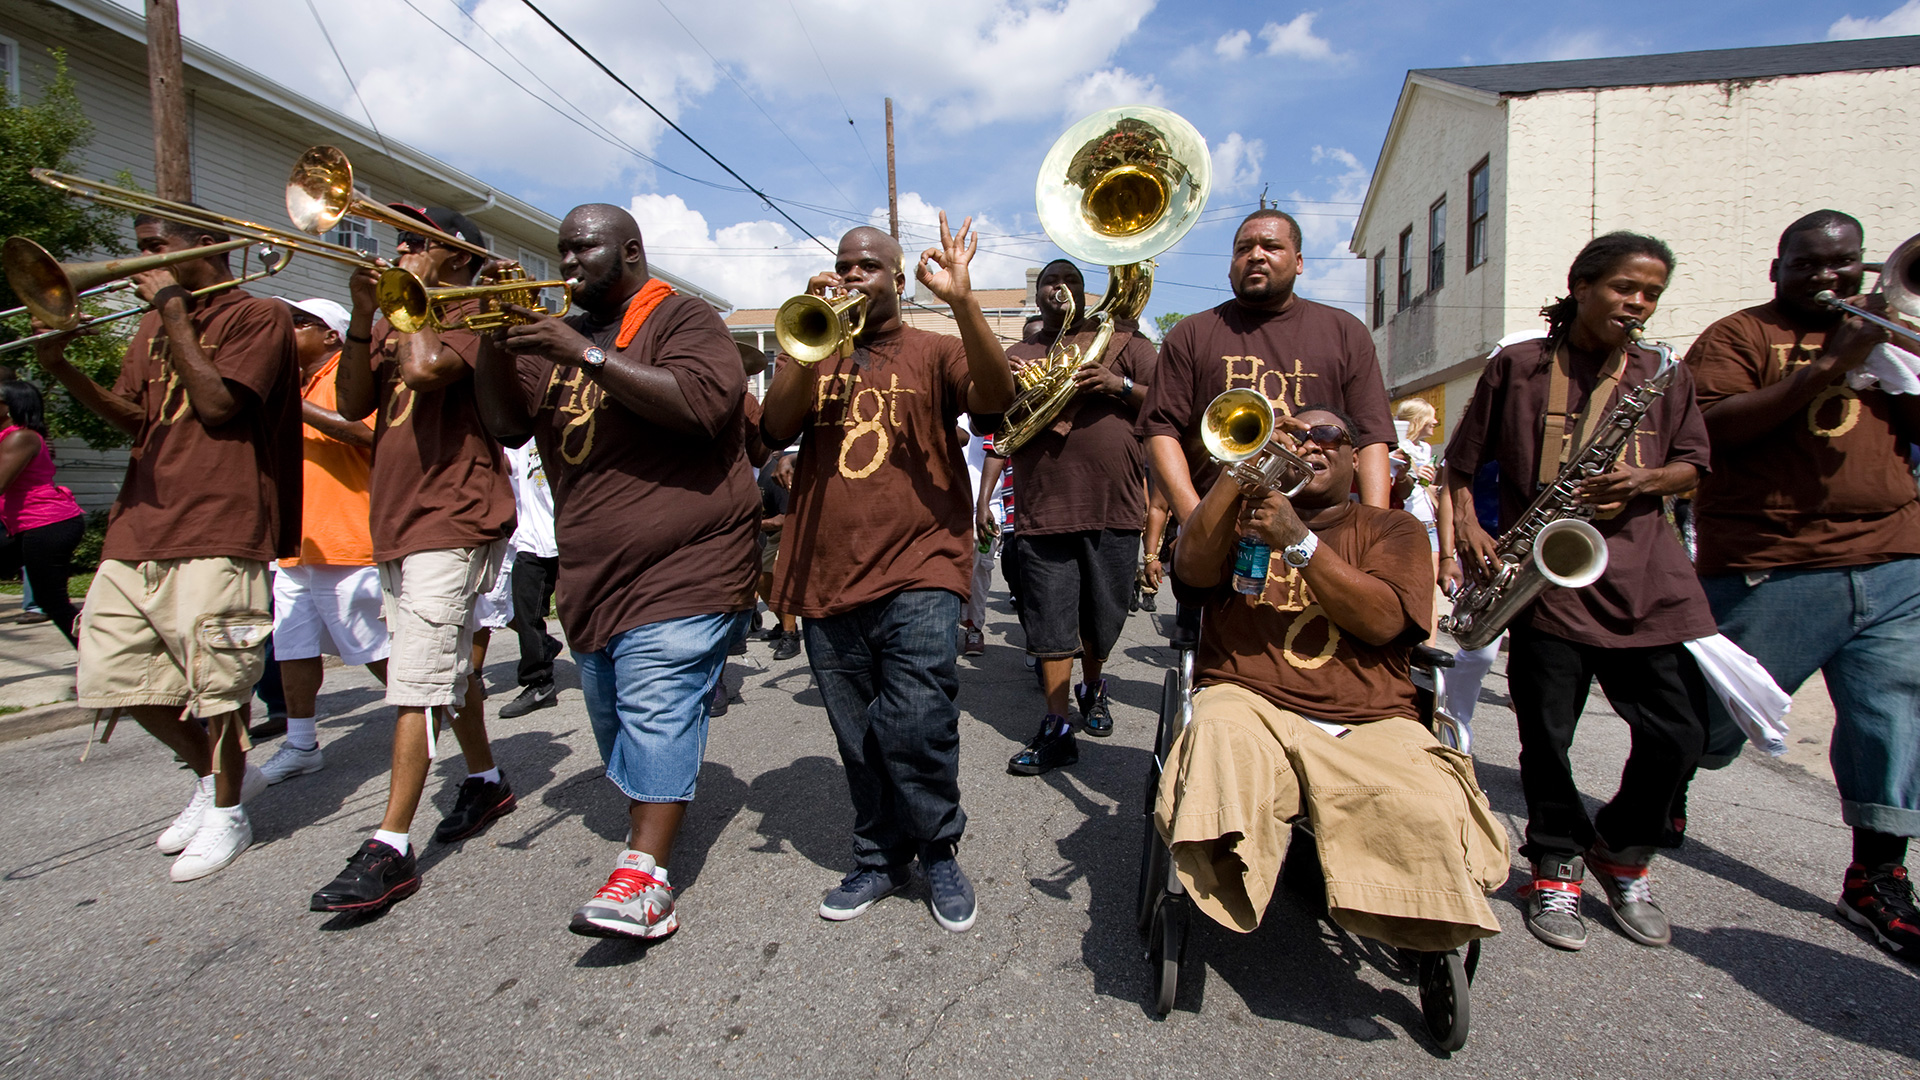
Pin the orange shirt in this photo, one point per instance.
(335, 503)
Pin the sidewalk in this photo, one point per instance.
(36, 665)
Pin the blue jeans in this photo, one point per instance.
(886, 671)
(647, 694)
(1861, 627)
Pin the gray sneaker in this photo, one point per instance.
(1625, 878)
(1553, 903)
(860, 890)
(951, 894)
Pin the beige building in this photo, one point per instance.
(246, 132)
(1492, 178)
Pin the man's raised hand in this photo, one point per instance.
(952, 283)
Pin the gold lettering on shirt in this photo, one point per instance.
(399, 404)
(576, 398)
(1286, 588)
(1790, 357)
(1314, 613)
(1285, 389)
(160, 349)
(1287, 592)
(863, 411)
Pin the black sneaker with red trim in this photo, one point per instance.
(1880, 901)
(1553, 902)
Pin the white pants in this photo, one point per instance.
(1470, 667)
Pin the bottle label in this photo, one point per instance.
(1250, 559)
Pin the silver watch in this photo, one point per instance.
(594, 357)
(1300, 554)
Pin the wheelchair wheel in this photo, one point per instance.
(1166, 948)
(1444, 998)
(1154, 860)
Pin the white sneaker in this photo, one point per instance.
(290, 760)
(633, 903)
(222, 837)
(180, 833)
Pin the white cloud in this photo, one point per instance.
(1904, 19)
(1233, 46)
(1236, 163)
(752, 263)
(1001, 262)
(1296, 38)
(1333, 275)
(1108, 88)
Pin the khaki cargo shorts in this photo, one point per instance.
(430, 601)
(181, 633)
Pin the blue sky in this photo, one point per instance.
(1294, 100)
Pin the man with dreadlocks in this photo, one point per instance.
(1537, 400)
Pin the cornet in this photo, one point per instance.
(811, 328)
(411, 307)
(1238, 430)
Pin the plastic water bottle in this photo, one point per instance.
(1250, 559)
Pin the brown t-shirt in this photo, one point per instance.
(1087, 470)
(1649, 595)
(881, 498)
(439, 480)
(1828, 487)
(1309, 354)
(197, 492)
(651, 524)
(1284, 646)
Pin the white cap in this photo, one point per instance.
(326, 311)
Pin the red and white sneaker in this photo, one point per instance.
(633, 903)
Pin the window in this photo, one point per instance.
(10, 66)
(540, 269)
(1406, 268)
(1477, 205)
(1437, 245)
(353, 232)
(1379, 289)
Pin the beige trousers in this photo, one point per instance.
(1406, 839)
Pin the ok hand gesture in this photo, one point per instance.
(952, 284)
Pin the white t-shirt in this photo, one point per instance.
(532, 502)
(1419, 500)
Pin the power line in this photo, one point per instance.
(351, 85)
(844, 111)
(583, 51)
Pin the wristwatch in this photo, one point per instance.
(594, 357)
(1300, 554)
(1126, 386)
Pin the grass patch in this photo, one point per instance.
(77, 586)
(9, 710)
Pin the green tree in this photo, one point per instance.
(47, 134)
(1164, 323)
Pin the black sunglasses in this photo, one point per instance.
(1327, 435)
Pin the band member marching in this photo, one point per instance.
(1534, 402)
(877, 555)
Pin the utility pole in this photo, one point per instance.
(893, 191)
(166, 78)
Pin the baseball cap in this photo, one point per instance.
(326, 311)
(447, 221)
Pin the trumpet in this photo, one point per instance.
(60, 280)
(411, 307)
(811, 328)
(1239, 431)
(1899, 283)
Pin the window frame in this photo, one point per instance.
(12, 80)
(1437, 245)
(1404, 275)
(1379, 292)
(1479, 210)
(356, 232)
(549, 298)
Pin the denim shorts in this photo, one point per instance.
(1074, 589)
(647, 694)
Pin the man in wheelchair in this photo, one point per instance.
(1305, 710)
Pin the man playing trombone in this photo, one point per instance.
(442, 513)
(176, 621)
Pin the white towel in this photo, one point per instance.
(1744, 687)
(1890, 368)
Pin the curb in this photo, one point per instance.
(41, 719)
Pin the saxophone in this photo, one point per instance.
(1553, 543)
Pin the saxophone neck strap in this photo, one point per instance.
(1560, 432)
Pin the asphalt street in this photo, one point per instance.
(111, 970)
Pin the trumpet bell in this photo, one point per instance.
(1237, 425)
(403, 300)
(811, 328)
(1122, 185)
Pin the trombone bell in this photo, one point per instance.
(811, 328)
(51, 289)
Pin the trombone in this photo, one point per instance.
(1899, 283)
(53, 288)
(811, 328)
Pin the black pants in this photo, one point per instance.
(46, 554)
(533, 578)
(1661, 695)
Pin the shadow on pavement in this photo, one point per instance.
(1863, 1001)
(805, 806)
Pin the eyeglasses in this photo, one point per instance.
(416, 241)
(1330, 436)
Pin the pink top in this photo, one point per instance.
(33, 499)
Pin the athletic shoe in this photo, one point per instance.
(531, 698)
(1051, 749)
(375, 877)
(1881, 901)
(219, 840)
(179, 834)
(951, 894)
(1553, 903)
(1094, 710)
(860, 890)
(788, 646)
(1625, 878)
(479, 802)
(290, 760)
(717, 706)
(1148, 601)
(633, 903)
(972, 641)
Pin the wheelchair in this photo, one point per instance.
(1164, 911)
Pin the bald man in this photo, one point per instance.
(877, 554)
(635, 404)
